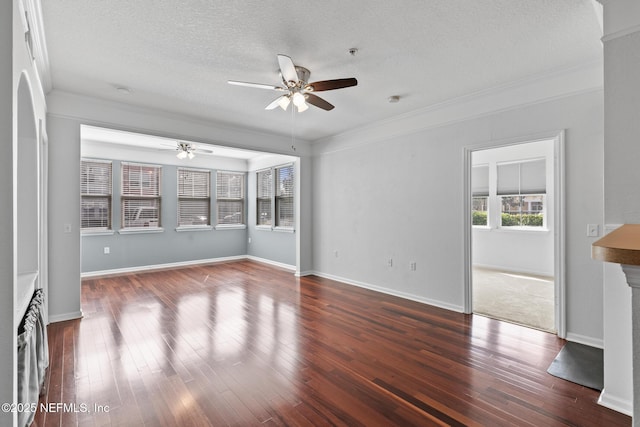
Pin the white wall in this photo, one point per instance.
(379, 193)
(524, 251)
(15, 66)
(67, 113)
(621, 194)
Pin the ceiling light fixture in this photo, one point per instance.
(299, 101)
(185, 150)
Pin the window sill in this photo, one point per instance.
(183, 228)
(230, 227)
(523, 229)
(97, 233)
(284, 229)
(141, 230)
(264, 227)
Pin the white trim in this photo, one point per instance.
(231, 227)
(89, 232)
(92, 274)
(559, 220)
(183, 228)
(624, 406)
(140, 230)
(39, 44)
(387, 291)
(304, 273)
(559, 243)
(54, 318)
(273, 263)
(558, 84)
(515, 270)
(622, 33)
(583, 339)
(284, 229)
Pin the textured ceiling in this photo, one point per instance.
(178, 55)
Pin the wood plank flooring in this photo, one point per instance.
(244, 344)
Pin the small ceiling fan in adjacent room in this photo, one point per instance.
(297, 89)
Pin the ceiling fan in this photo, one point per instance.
(297, 88)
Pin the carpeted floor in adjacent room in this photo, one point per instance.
(514, 297)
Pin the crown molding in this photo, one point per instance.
(33, 9)
(587, 77)
(621, 33)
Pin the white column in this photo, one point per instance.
(632, 273)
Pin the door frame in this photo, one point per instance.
(559, 267)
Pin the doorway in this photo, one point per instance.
(513, 232)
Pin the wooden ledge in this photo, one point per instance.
(621, 246)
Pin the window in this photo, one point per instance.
(140, 195)
(194, 198)
(95, 190)
(264, 191)
(230, 198)
(480, 194)
(284, 197)
(521, 189)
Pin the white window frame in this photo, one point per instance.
(261, 197)
(220, 200)
(95, 193)
(276, 198)
(499, 198)
(126, 196)
(194, 196)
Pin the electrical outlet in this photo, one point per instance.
(593, 230)
(67, 228)
(412, 266)
(390, 262)
(107, 250)
(249, 239)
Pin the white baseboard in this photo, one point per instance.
(304, 273)
(270, 262)
(623, 406)
(514, 270)
(65, 316)
(392, 292)
(582, 339)
(138, 269)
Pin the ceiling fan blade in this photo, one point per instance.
(318, 102)
(275, 103)
(287, 69)
(256, 85)
(332, 84)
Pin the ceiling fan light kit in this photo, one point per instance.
(295, 80)
(185, 150)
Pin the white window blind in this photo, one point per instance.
(140, 195)
(284, 196)
(264, 191)
(95, 191)
(526, 177)
(480, 181)
(193, 197)
(230, 198)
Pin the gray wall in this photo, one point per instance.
(66, 114)
(383, 193)
(278, 246)
(168, 246)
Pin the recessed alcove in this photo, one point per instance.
(27, 201)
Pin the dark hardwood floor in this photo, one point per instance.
(247, 344)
